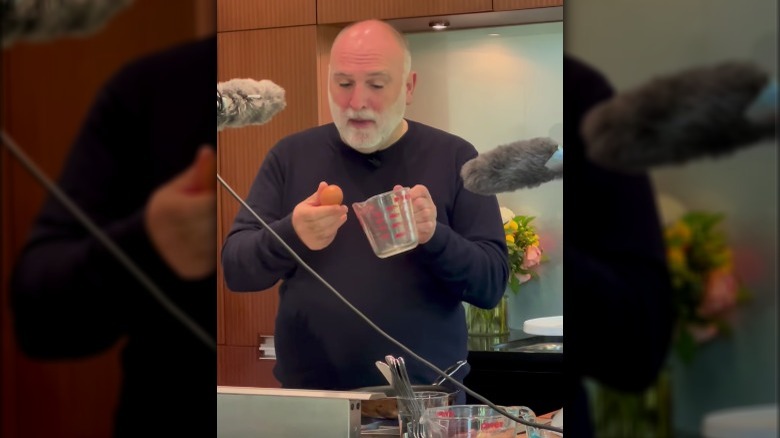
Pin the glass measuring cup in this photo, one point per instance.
(476, 421)
(388, 221)
(424, 400)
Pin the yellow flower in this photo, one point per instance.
(701, 266)
(679, 233)
(676, 257)
(510, 238)
(512, 225)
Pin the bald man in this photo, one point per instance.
(416, 296)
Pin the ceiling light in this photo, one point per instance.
(439, 24)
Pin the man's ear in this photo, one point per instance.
(411, 81)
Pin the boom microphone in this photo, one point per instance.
(42, 20)
(518, 165)
(703, 111)
(242, 102)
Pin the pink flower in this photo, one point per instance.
(720, 294)
(533, 255)
(702, 333)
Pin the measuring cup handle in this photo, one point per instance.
(528, 415)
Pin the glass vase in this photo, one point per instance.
(488, 322)
(646, 414)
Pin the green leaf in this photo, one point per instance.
(685, 346)
(514, 284)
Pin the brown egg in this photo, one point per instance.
(331, 195)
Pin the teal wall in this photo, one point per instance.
(493, 90)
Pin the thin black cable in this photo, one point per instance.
(379, 330)
(107, 242)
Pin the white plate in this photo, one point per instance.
(548, 326)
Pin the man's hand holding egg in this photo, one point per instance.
(317, 218)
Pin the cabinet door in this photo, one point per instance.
(257, 14)
(240, 366)
(285, 56)
(509, 5)
(343, 11)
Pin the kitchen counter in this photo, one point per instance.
(517, 369)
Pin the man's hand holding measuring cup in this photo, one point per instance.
(424, 212)
(316, 222)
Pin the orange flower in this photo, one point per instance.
(533, 256)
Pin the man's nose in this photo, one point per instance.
(359, 98)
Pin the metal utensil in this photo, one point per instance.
(387, 408)
(403, 388)
(385, 370)
(450, 371)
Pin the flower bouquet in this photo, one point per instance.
(525, 254)
(706, 288)
(706, 293)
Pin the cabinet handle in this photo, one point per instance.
(266, 348)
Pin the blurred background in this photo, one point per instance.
(632, 42)
(47, 89)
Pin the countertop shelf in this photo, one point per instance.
(517, 369)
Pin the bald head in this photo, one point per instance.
(374, 34)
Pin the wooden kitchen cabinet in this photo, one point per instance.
(235, 15)
(344, 11)
(286, 56)
(239, 366)
(511, 5)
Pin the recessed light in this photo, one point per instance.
(439, 24)
(494, 34)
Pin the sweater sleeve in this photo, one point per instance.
(469, 253)
(253, 258)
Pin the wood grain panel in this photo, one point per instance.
(325, 37)
(249, 316)
(220, 278)
(205, 17)
(239, 366)
(345, 11)
(256, 54)
(257, 14)
(510, 5)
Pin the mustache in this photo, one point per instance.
(362, 115)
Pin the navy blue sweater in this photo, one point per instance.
(416, 297)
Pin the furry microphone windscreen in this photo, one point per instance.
(677, 118)
(244, 102)
(518, 165)
(44, 20)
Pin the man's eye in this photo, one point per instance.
(345, 84)
(377, 86)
